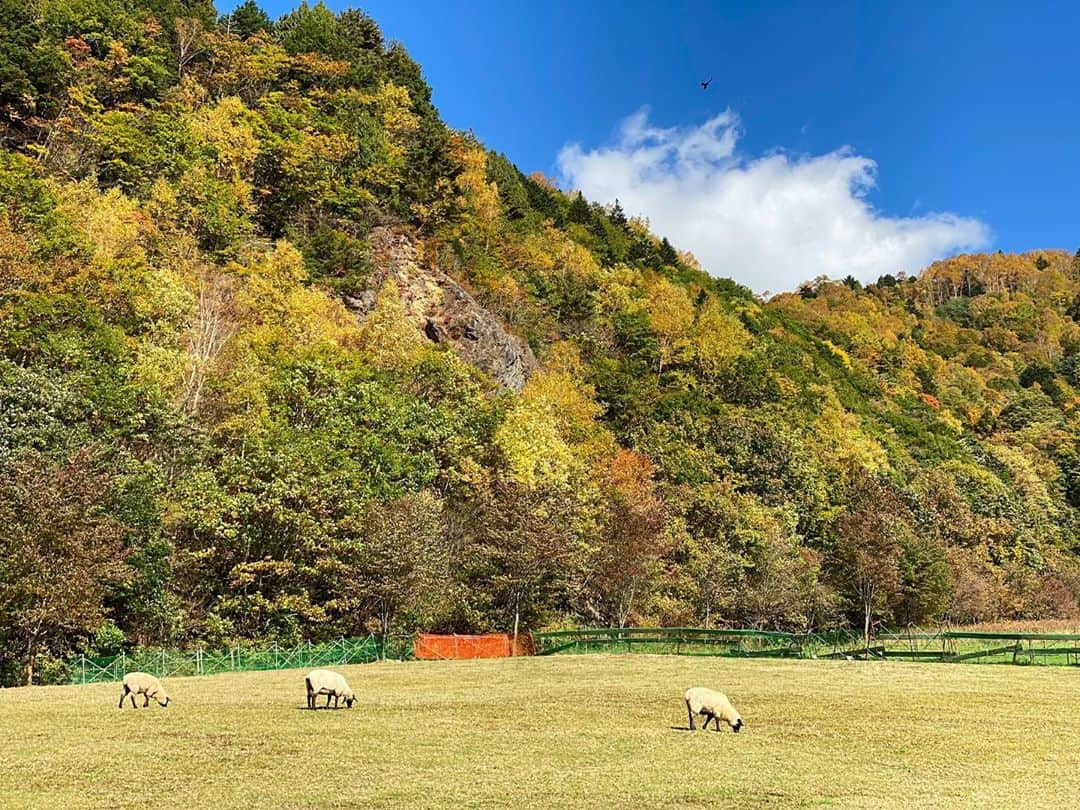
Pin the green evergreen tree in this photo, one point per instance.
(617, 215)
(508, 180)
(246, 19)
(545, 202)
(312, 28)
(668, 255)
(579, 211)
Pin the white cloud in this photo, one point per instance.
(770, 222)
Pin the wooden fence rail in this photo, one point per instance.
(945, 646)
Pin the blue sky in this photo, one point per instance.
(958, 121)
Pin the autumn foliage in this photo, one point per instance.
(202, 442)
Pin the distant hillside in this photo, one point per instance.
(282, 356)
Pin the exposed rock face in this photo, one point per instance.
(444, 312)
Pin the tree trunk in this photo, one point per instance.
(626, 602)
(866, 626)
(385, 622)
(30, 661)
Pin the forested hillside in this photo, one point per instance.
(284, 357)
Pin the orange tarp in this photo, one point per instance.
(488, 645)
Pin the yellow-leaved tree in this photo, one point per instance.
(394, 109)
(672, 316)
(552, 433)
(718, 338)
(478, 196)
(282, 318)
(529, 440)
(387, 338)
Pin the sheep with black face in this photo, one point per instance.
(712, 706)
(331, 684)
(140, 683)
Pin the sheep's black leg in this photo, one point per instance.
(328, 700)
(146, 699)
(717, 719)
(134, 705)
(122, 696)
(335, 701)
(690, 714)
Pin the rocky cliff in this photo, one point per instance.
(443, 311)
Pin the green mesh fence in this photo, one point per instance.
(945, 646)
(171, 663)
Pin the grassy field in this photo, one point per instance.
(572, 731)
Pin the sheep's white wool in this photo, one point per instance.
(329, 683)
(142, 683)
(710, 703)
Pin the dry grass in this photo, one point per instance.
(571, 732)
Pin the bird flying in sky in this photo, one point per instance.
(705, 84)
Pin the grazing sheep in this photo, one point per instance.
(712, 706)
(325, 682)
(139, 683)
